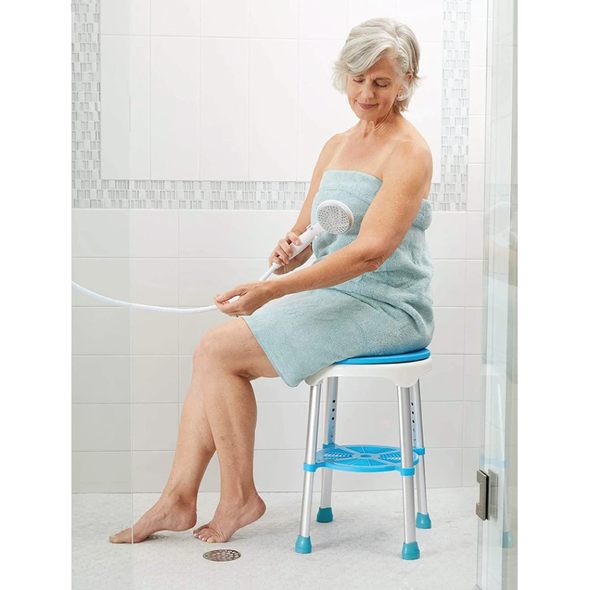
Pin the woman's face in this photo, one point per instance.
(378, 86)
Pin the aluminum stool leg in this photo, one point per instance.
(422, 517)
(410, 549)
(303, 544)
(325, 512)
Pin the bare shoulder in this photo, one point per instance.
(334, 143)
(412, 156)
(409, 168)
(327, 154)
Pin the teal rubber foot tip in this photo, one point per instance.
(303, 544)
(423, 521)
(325, 515)
(507, 540)
(411, 551)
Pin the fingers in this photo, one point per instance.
(284, 251)
(285, 248)
(293, 238)
(223, 306)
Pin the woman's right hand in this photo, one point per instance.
(283, 250)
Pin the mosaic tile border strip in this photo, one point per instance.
(89, 190)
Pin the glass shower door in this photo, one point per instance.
(497, 508)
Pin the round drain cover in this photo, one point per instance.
(222, 555)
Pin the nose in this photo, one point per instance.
(366, 95)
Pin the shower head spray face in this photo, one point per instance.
(335, 217)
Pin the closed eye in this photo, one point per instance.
(379, 85)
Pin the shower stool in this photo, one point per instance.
(405, 371)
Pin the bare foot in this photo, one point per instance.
(166, 515)
(229, 517)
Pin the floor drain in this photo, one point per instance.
(222, 555)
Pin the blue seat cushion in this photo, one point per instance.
(405, 357)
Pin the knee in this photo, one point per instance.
(210, 345)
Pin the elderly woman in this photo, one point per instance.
(367, 293)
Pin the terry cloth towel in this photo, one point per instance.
(386, 311)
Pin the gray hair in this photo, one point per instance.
(373, 39)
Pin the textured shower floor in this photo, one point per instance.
(359, 550)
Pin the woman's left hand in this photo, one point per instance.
(252, 296)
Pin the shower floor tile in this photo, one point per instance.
(359, 550)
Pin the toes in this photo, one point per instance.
(119, 538)
(201, 533)
(215, 537)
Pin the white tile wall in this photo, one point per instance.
(125, 17)
(179, 258)
(224, 58)
(175, 107)
(101, 427)
(175, 17)
(155, 379)
(154, 281)
(100, 330)
(154, 333)
(476, 138)
(155, 427)
(475, 187)
(194, 90)
(153, 234)
(270, 19)
(224, 109)
(225, 19)
(100, 234)
(101, 379)
(477, 41)
(108, 276)
(322, 20)
(101, 471)
(272, 97)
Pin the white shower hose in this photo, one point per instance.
(265, 276)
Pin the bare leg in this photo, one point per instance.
(219, 411)
(176, 508)
(231, 408)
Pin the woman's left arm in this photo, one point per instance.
(387, 220)
(389, 217)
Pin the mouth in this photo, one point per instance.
(367, 106)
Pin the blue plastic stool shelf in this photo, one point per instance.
(365, 458)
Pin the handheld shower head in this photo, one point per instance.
(335, 217)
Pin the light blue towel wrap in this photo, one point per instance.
(386, 311)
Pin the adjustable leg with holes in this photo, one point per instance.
(303, 544)
(410, 549)
(422, 518)
(325, 512)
